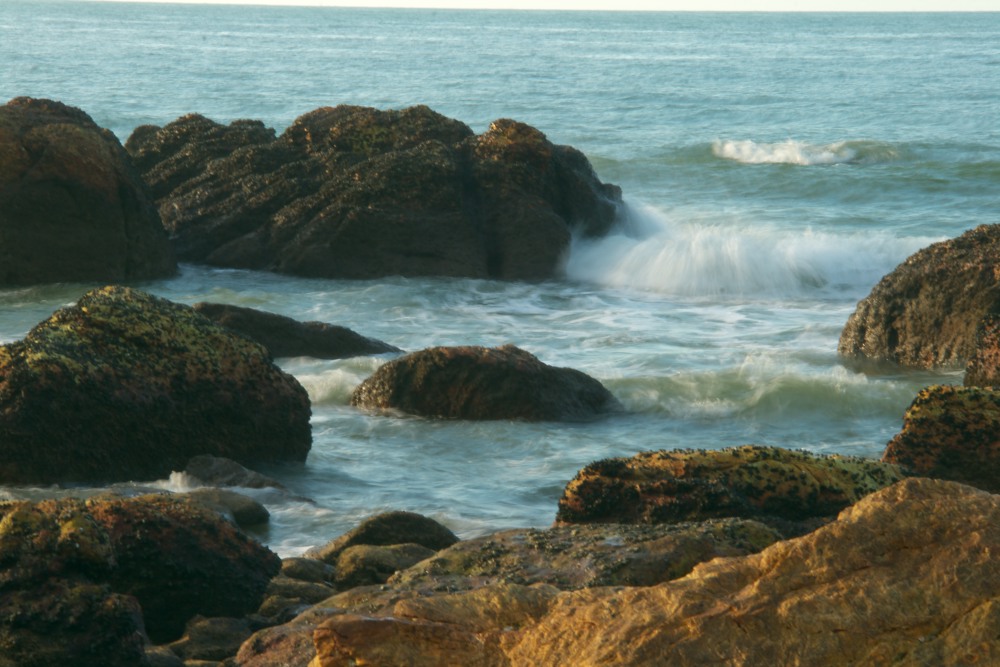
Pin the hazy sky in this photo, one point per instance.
(662, 5)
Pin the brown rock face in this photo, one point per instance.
(926, 312)
(951, 433)
(387, 529)
(792, 490)
(72, 207)
(353, 192)
(983, 369)
(483, 383)
(906, 576)
(285, 337)
(124, 385)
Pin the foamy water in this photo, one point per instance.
(772, 177)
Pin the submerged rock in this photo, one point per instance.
(354, 192)
(72, 206)
(126, 386)
(925, 313)
(792, 490)
(285, 337)
(483, 383)
(905, 576)
(951, 433)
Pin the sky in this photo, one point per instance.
(644, 5)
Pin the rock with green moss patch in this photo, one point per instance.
(126, 386)
(951, 433)
(795, 491)
(72, 206)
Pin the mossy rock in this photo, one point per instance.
(124, 386)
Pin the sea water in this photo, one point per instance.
(774, 167)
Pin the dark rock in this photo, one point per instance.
(72, 206)
(387, 529)
(56, 607)
(926, 312)
(122, 367)
(242, 510)
(211, 638)
(81, 582)
(951, 433)
(353, 192)
(285, 337)
(161, 656)
(179, 561)
(483, 383)
(793, 491)
(220, 471)
(307, 569)
(983, 369)
(365, 564)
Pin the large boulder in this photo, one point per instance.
(483, 383)
(285, 337)
(124, 385)
(354, 192)
(83, 582)
(387, 529)
(925, 313)
(72, 206)
(951, 433)
(906, 576)
(792, 490)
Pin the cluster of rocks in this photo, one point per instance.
(756, 555)
(344, 192)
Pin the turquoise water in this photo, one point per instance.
(775, 166)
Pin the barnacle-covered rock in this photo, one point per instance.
(951, 433)
(355, 192)
(483, 383)
(125, 386)
(83, 582)
(72, 206)
(925, 313)
(792, 490)
(983, 369)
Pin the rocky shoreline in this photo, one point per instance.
(744, 555)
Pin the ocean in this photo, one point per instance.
(774, 167)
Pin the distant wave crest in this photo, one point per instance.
(802, 153)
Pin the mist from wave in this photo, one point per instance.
(688, 255)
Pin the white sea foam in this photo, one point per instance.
(728, 257)
(802, 153)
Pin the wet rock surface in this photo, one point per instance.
(85, 582)
(72, 206)
(123, 367)
(794, 491)
(926, 312)
(285, 337)
(484, 383)
(354, 192)
(983, 369)
(951, 433)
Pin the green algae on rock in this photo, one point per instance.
(951, 432)
(124, 385)
(82, 582)
(791, 490)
